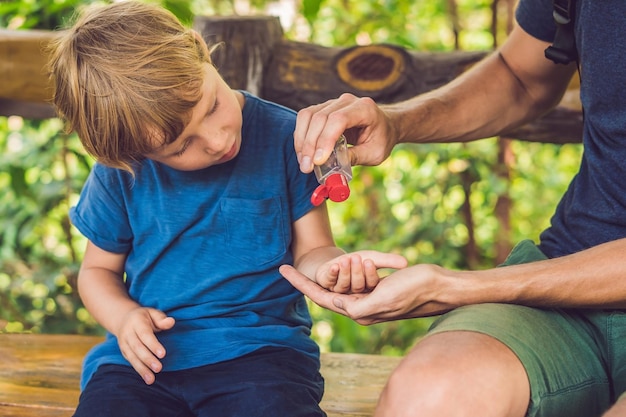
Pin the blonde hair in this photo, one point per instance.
(126, 77)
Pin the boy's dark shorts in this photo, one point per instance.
(575, 358)
(270, 382)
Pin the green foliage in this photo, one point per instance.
(41, 172)
(41, 14)
(417, 25)
(180, 8)
(415, 203)
(310, 9)
(54, 14)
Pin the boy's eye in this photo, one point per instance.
(214, 109)
(183, 149)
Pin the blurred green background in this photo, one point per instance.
(432, 203)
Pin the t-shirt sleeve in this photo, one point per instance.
(301, 186)
(535, 17)
(99, 214)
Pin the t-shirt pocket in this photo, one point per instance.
(258, 231)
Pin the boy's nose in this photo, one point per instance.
(212, 145)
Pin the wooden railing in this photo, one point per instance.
(257, 57)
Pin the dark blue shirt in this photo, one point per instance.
(593, 210)
(205, 246)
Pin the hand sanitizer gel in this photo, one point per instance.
(333, 175)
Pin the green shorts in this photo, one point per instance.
(575, 359)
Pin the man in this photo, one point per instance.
(540, 336)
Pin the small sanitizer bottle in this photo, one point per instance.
(333, 175)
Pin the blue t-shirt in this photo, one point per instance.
(593, 210)
(205, 246)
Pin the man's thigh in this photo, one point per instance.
(456, 373)
(560, 351)
(612, 323)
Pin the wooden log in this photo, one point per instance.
(299, 74)
(24, 86)
(256, 57)
(302, 74)
(22, 65)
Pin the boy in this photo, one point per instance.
(194, 202)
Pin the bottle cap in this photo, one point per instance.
(338, 189)
(335, 187)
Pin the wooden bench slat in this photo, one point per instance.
(39, 377)
(354, 382)
(23, 411)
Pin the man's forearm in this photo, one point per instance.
(508, 88)
(466, 109)
(593, 278)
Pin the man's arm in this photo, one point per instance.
(510, 87)
(593, 278)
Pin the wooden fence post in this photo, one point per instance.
(247, 46)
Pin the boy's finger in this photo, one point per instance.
(151, 348)
(385, 260)
(371, 274)
(344, 278)
(358, 282)
(140, 366)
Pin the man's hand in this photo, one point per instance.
(364, 124)
(407, 293)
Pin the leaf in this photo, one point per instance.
(310, 9)
(181, 9)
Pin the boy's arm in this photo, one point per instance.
(313, 242)
(317, 257)
(104, 294)
(101, 287)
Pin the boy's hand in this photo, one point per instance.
(138, 343)
(356, 272)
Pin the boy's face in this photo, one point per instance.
(213, 134)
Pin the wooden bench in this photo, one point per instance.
(39, 377)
